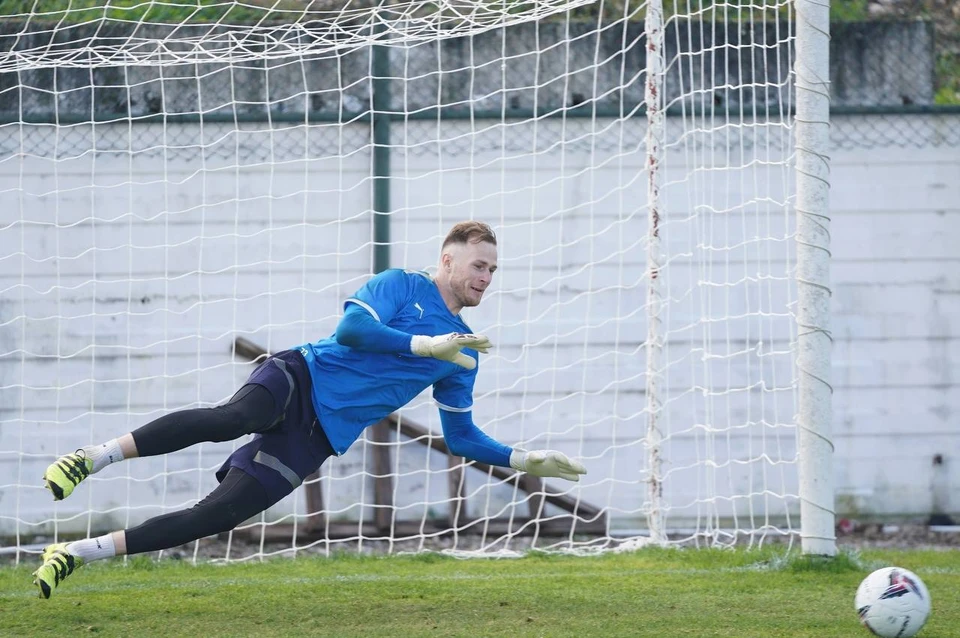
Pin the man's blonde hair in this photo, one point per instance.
(470, 233)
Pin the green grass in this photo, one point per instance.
(663, 593)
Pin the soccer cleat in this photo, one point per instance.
(58, 563)
(65, 473)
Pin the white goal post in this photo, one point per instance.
(182, 191)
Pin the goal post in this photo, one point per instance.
(182, 191)
(655, 141)
(815, 416)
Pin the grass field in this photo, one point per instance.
(650, 592)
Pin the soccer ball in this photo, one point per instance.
(893, 602)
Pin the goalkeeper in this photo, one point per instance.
(400, 333)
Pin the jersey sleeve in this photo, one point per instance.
(358, 329)
(454, 393)
(466, 439)
(383, 296)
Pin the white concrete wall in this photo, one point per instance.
(896, 309)
(124, 278)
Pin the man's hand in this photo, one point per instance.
(447, 347)
(547, 463)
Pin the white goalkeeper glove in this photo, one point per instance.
(447, 347)
(547, 463)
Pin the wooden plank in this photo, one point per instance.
(554, 526)
(457, 485)
(425, 437)
(533, 485)
(383, 476)
(316, 517)
(247, 349)
(383, 490)
(284, 532)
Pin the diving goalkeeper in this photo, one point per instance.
(400, 333)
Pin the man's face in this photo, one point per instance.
(471, 270)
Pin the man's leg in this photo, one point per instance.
(286, 450)
(236, 499)
(252, 409)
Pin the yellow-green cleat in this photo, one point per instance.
(65, 473)
(58, 563)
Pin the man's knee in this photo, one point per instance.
(251, 409)
(238, 498)
(218, 517)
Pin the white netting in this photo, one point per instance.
(154, 209)
(155, 32)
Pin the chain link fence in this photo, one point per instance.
(212, 145)
(219, 144)
(726, 85)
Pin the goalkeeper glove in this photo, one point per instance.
(548, 463)
(447, 347)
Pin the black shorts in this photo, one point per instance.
(286, 454)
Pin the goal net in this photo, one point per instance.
(186, 186)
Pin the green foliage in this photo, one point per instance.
(252, 11)
(848, 10)
(649, 592)
(167, 12)
(948, 78)
(944, 15)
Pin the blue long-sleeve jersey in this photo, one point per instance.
(366, 371)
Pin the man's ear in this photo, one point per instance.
(446, 261)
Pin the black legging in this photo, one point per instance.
(252, 409)
(237, 498)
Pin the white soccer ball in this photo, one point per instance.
(893, 603)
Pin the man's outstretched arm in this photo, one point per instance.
(466, 439)
(360, 330)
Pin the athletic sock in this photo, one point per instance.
(93, 548)
(104, 454)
